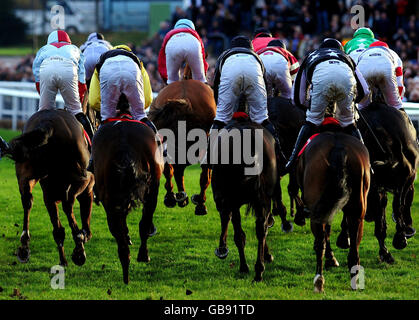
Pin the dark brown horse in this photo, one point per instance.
(288, 119)
(233, 188)
(334, 174)
(395, 168)
(127, 169)
(193, 102)
(53, 151)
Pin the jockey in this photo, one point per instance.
(240, 67)
(261, 38)
(361, 40)
(281, 68)
(119, 73)
(383, 68)
(60, 65)
(182, 44)
(333, 78)
(92, 49)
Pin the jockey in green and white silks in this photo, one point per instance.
(361, 40)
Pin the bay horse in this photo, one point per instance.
(288, 119)
(395, 168)
(193, 102)
(127, 169)
(53, 150)
(232, 188)
(333, 173)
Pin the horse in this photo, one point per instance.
(288, 119)
(127, 169)
(193, 102)
(333, 173)
(53, 150)
(391, 140)
(232, 188)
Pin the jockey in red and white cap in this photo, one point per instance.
(59, 65)
(281, 68)
(182, 44)
(383, 68)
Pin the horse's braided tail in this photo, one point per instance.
(336, 193)
(133, 182)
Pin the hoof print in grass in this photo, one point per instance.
(16, 225)
(188, 292)
(109, 292)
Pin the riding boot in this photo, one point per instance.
(306, 131)
(216, 125)
(354, 131)
(278, 151)
(81, 117)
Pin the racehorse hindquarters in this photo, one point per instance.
(334, 174)
(191, 102)
(53, 150)
(127, 173)
(395, 164)
(232, 188)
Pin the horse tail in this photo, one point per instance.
(336, 193)
(132, 182)
(28, 143)
(171, 109)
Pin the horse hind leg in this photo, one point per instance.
(199, 199)
(261, 231)
(342, 240)
(117, 226)
(181, 196)
(169, 198)
(25, 188)
(319, 233)
(222, 250)
(240, 240)
(281, 210)
(407, 214)
(85, 200)
(330, 261)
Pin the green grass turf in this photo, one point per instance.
(182, 256)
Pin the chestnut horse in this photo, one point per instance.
(127, 169)
(232, 188)
(53, 151)
(334, 173)
(395, 168)
(193, 102)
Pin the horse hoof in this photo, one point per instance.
(271, 221)
(244, 268)
(153, 231)
(299, 220)
(287, 227)
(343, 241)
(201, 210)
(399, 241)
(221, 253)
(23, 254)
(196, 199)
(79, 256)
(409, 232)
(318, 283)
(258, 278)
(386, 257)
(87, 235)
(64, 263)
(182, 199)
(331, 263)
(268, 258)
(143, 258)
(169, 200)
(368, 217)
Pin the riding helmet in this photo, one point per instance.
(241, 41)
(277, 43)
(184, 23)
(262, 32)
(331, 43)
(379, 44)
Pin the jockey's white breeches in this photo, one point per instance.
(184, 47)
(58, 73)
(333, 81)
(278, 75)
(242, 74)
(121, 75)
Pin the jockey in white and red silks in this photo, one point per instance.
(59, 65)
(182, 44)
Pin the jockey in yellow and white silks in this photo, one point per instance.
(119, 71)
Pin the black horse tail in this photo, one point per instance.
(336, 193)
(133, 182)
(29, 143)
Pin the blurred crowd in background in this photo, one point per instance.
(302, 24)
